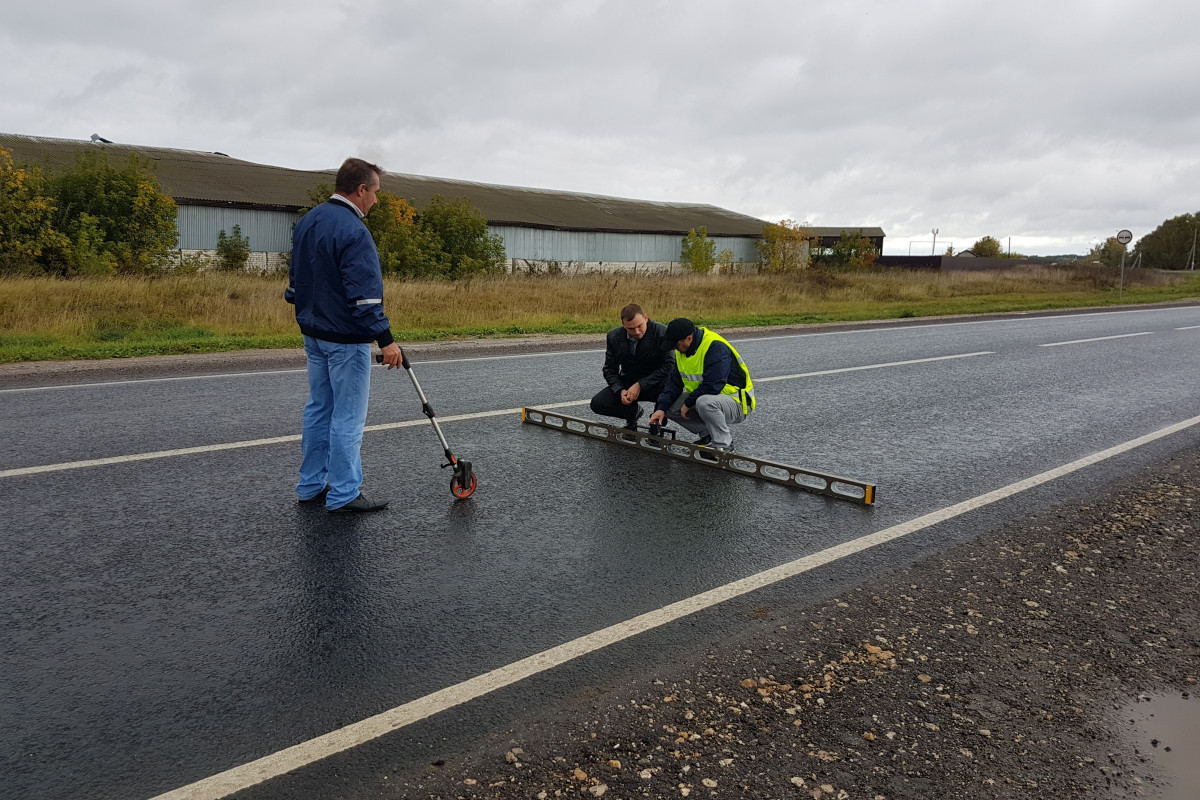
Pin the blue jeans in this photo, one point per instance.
(339, 383)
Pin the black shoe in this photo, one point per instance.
(704, 441)
(361, 505)
(319, 497)
(724, 447)
(631, 424)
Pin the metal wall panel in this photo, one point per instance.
(268, 231)
(271, 231)
(538, 244)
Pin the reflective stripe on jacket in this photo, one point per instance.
(691, 371)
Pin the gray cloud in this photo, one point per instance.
(1054, 124)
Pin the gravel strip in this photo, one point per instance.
(991, 670)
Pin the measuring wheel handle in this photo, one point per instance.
(403, 359)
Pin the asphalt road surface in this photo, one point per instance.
(173, 622)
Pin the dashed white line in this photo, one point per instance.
(1097, 339)
(300, 755)
(872, 366)
(1188, 328)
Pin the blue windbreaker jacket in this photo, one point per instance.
(334, 280)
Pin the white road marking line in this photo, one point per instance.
(150, 380)
(872, 366)
(386, 426)
(211, 448)
(300, 755)
(1014, 318)
(1188, 328)
(1097, 339)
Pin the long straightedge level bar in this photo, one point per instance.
(773, 472)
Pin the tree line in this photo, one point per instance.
(90, 219)
(1172, 245)
(95, 218)
(785, 246)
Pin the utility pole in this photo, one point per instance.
(1192, 259)
(1124, 237)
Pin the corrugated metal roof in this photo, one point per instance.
(193, 177)
(198, 178)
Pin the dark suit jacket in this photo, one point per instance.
(650, 366)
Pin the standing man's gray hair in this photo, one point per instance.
(355, 172)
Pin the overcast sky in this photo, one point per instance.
(1055, 123)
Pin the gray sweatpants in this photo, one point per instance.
(713, 415)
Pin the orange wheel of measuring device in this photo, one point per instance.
(460, 491)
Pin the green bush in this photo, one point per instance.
(467, 246)
(698, 253)
(232, 250)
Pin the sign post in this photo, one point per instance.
(1124, 237)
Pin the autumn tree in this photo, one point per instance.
(449, 238)
(406, 249)
(117, 218)
(27, 234)
(1169, 246)
(698, 253)
(785, 247)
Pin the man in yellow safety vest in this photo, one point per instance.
(709, 388)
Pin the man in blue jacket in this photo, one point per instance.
(336, 284)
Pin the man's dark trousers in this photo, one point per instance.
(607, 403)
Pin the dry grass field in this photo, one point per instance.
(45, 318)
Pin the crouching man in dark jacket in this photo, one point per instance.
(636, 364)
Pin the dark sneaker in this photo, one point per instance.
(361, 505)
(631, 424)
(319, 497)
(723, 447)
(704, 441)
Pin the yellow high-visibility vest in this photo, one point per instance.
(691, 370)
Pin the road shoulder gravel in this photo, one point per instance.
(995, 669)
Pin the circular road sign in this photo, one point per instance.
(1124, 237)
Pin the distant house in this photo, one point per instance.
(214, 192)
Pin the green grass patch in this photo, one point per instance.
(47, 318)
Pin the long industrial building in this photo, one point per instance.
(573, 231)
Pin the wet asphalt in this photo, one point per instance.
(167, 619)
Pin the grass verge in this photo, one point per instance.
(46, 318)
